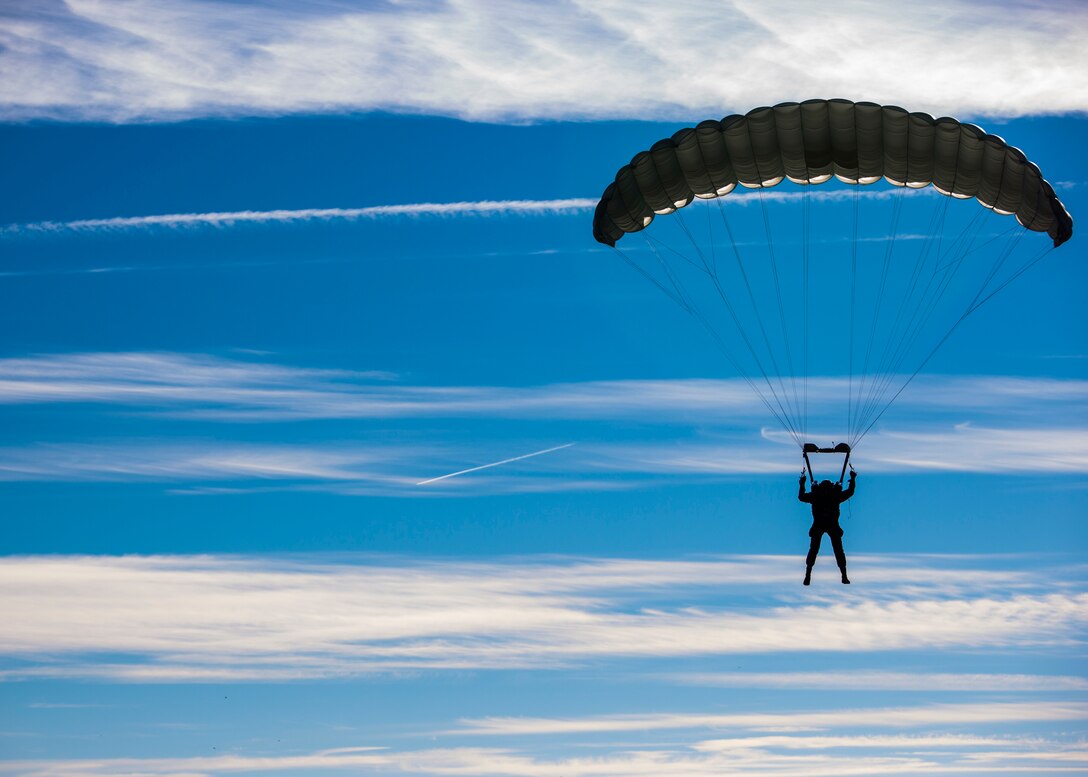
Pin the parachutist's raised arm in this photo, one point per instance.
(801, 490)
(849, 492)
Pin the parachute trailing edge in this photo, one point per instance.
(813, 141)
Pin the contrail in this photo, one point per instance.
(228, 218)
(477, 208)
(495, 464)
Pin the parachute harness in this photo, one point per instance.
(842, 447)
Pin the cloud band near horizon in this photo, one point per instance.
(118, 617)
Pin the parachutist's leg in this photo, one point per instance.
(813, 550)
(840, 555)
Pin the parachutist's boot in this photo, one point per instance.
(808, 576)
(845, 579)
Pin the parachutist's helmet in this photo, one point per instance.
(826, 484)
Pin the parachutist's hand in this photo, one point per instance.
(802, 480)
(853, 475)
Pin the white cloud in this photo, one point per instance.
(935, 716)
(212, 387)
(863, 680)
(208, 618)
(957, 448)
(985, 424)
(165, 462)
(759, 756)
(222, 619)
(860, 742)
(120, 60)
(423, 470)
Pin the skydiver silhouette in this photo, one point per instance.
(825, 498)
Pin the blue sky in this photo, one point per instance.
(268, 268)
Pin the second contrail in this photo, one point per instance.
(495, 464)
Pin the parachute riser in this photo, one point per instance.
(842, 447)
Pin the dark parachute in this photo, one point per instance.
(903, 291)
(813, 141)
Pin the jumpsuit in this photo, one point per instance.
(825, 503)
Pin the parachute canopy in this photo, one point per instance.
(787, 282)
(813, 141)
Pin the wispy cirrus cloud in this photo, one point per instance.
(961, 424)
(211, 387)
(422, 470)
(198, 619)
(935, 448)
(879, 681)
(202, 462)
(205, 618)
(920, 716)
(761, 756)
(526, 60)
